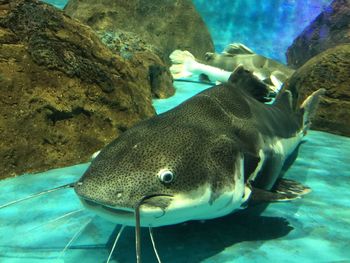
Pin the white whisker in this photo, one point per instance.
(154, 244)
(76, 235)
(115, 243)
(37, 194)
(138, 224)
(57, 219)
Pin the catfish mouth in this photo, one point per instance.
(118, 211)
(153, 207)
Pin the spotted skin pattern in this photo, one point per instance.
(236, 54)
(202, 142)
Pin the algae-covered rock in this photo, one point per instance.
(329, 70)
(329, 29)
(143, 56)
(165, 25)
(63, 93)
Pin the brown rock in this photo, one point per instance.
(143, 55)
(329, 70)
(329, 29)
(166, 25)
(63, 93)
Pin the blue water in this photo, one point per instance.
(313, 229)
(266, 26)
(316, 226)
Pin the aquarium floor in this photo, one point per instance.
(315, 228)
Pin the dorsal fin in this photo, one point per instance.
(247, 81)
(284, 100)
(309, 106)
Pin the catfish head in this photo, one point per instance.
(182, 170)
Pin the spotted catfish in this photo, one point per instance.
(213, 154)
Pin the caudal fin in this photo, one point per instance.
(181, 63)
(309, 107)
(185, 64)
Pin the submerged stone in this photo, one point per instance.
(329, 70)
(63, 93)
(329, 29)
(144, 56)
(166, 25)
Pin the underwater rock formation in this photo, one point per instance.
(329, 29)
(63, 93)
(328, 70)
(166, 25)
(143, 56)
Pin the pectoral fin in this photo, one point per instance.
(283, 190)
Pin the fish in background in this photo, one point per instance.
(218, 67)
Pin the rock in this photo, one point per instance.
(63, 93)
(329, 70)
(165, 25)
(329, 29)
(129, 46)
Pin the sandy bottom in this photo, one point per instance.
(55, 228)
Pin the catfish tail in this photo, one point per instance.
(184, 64)
(181, 63)
(309, 106)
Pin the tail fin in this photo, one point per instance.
(181, 63)
(185, 64)
(309, 107)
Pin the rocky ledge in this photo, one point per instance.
(329, 29)
(63, 93)
(165, 25)
(329, 70)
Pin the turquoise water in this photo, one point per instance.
(268, 27)
(55, 227)
(38, 230)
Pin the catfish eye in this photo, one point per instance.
(166, 176)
